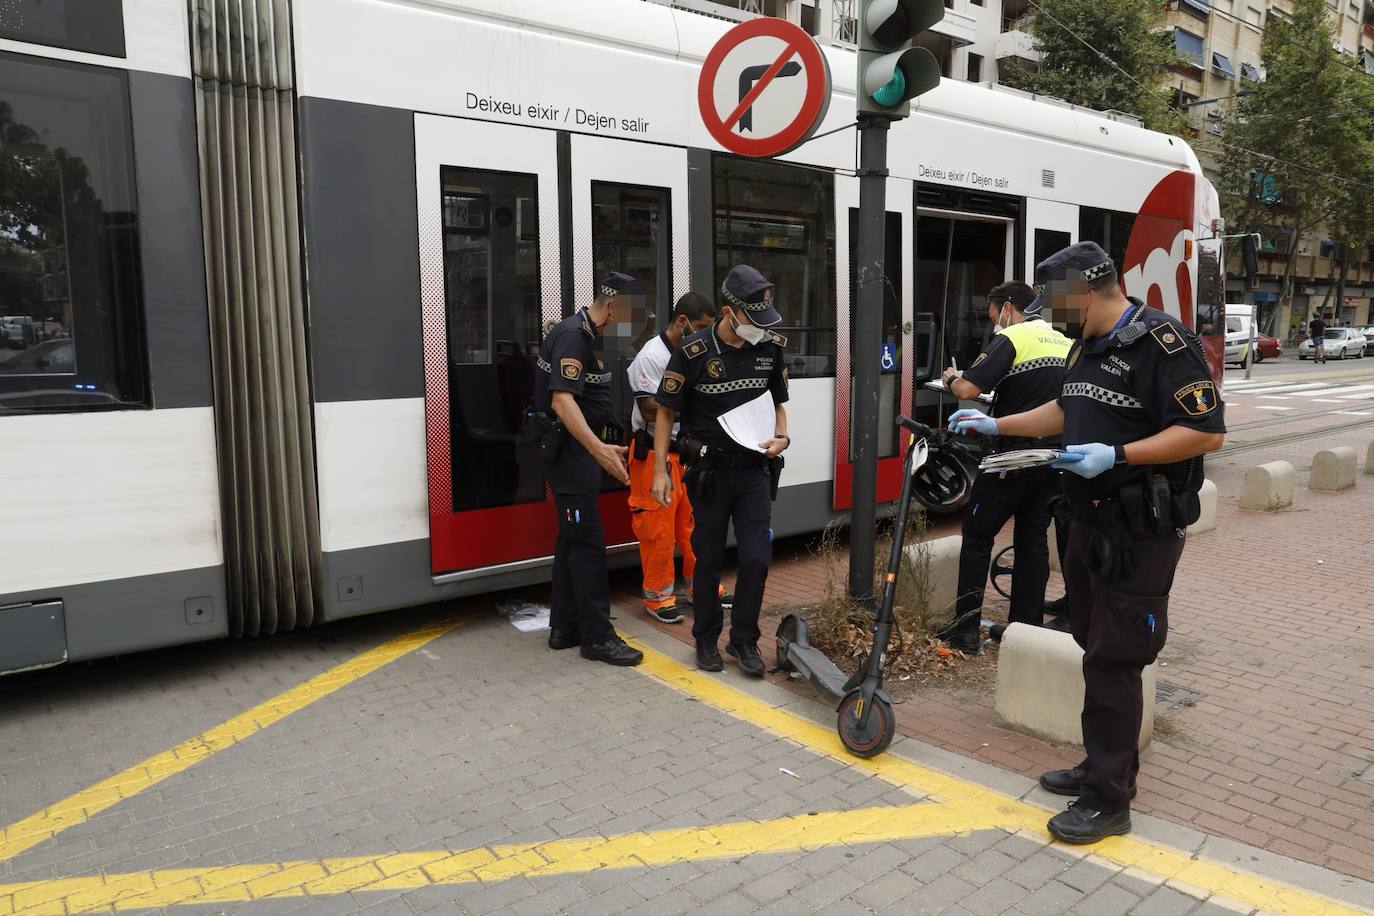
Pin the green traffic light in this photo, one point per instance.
(893, 93)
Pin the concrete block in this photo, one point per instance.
(1369, 459)
(1268, 486)
(944, 569)
(1040, 685)
(1208, 519)
(1333, 469)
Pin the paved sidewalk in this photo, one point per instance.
(405, 764)
(1278, 751)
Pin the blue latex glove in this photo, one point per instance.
(968, 420)
(1097, 458)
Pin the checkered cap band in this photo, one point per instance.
(747, 306)
(744, 384)
(610, 291)
(1102, 395)
(1098, 271)
(1044, 362)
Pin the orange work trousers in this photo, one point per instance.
(660, 529)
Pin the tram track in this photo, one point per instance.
(1290, 437)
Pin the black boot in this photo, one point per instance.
(961, 637)
(1070, 782)
(750, 662)
(613, 652)
(565, 639)
(708, 656)
(1082, 824)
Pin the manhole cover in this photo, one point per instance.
(1169, 697)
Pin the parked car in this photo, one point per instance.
(1368, 333)
(1267, 347)
(51, 356)
(1339, 343)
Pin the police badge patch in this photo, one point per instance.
(694, 349)
(672, 382)
(715, 368)
(1076, 352)
(981, 357)
(1197, 398)
(570, 369)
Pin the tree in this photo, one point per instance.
(1297, 149)
(1086, 45)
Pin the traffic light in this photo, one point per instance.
(891, 72)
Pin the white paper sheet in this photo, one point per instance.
(751, 423)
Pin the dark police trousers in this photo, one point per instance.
(1025, 495)
(742, 495)
(581, 590)
(1121, 625)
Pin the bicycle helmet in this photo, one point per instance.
(943, 484)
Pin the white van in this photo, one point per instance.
(1238, 318)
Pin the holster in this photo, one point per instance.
(775, 466)
(643, 444)
(545, 432)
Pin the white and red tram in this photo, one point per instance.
(274, 273)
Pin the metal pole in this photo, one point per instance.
(866, 347)
(1249, 297)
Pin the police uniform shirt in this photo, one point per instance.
(1022, 365)
(1147, 375)
(567, 362)
(706, 378)
(646, 373)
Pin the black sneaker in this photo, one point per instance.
(1070, 781)
(669, 614)
(727, 601)
(613, 652)
(708, 656)
(564, 639)
(750, 662)
(1081, 824)
(996, 631)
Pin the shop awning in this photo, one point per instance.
(1222, 64)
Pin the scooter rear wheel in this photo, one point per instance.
(870, 741)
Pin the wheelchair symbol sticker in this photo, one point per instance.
(889, 358)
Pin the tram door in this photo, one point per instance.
(628, 214)
(894, 358)
(505, 252)
(960, 258)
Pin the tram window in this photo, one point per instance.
(781, 219)
(1048, 242)
(491, 298)
(78, 25)
(70, 295)
(1109, 228)
(958, 262)
(630, 233)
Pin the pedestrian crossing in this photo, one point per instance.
(1284, 396)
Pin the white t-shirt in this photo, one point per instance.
(646, 372)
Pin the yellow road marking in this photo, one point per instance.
(81, 807)
(987, 808)
(408, 871)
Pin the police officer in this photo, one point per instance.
(1024, 363)
(1138, 410)
(733, 363)
(572, 385)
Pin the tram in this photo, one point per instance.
(275, 272)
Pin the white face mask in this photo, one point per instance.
(752, 334)
(1004, 319)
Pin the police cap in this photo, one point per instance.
(614, 283)
(1084, 261)
(746, 288)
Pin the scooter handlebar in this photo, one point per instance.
(913, 427)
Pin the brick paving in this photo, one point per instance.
(1279, 752)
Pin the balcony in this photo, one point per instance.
(1017, 46)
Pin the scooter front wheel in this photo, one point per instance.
(873, 739)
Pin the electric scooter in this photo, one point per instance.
(866, 722)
